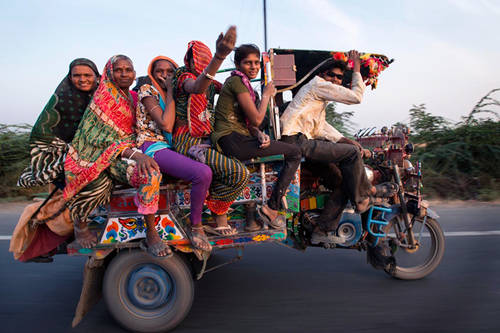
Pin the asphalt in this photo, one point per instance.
(277, 289)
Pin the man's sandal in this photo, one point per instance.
(278, 223)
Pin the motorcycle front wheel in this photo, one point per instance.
(416, 263)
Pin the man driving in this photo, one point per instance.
(327, 152)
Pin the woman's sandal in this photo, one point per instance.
(199, 240)
(156, 249)
(278, 223)
(219, 231)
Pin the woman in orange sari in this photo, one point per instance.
(155, 120)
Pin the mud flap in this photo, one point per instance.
(93, 274)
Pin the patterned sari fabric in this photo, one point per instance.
(230, 176)
(146, 127)
(92, 164)
(55, 128)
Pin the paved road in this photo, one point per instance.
(275, 289)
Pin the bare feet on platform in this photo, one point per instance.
(155, 245)
(223, 228)
(84, 236)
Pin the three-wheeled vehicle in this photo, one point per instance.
(150, 294)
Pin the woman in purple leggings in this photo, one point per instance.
(155, 121)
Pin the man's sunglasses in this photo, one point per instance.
(332, 74)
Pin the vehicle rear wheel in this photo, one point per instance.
(414, 264)
(148, 294)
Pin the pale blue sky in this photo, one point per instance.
(447, 51)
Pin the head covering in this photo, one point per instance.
(105, 130)
(151, 77)
(201, 56)
(63, 112)
(83, 62)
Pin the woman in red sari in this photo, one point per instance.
(194, 91)
(103, 152)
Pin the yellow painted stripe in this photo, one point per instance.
(312, 203)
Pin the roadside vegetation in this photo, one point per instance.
(14, 157)
(460, 161)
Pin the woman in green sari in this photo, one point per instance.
(57, 124)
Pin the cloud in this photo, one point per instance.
(477, 6)
(328, 12)
(491, 6)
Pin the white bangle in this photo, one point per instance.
(210, 77)
(130, 157)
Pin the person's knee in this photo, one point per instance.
(244, 175)
(294, 154)
(205, 175)
(154, 178)
(352, 153)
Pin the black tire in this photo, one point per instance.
(148, 294)
(429, 261)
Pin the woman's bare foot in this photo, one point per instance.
(84, 236)
(156, 244)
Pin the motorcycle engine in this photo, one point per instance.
(350, 227)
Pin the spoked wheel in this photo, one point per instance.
(148, 294)
(416, 263)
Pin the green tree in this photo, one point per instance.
(424, 124)
(460, 160)
(14, 157)
(340, 120)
